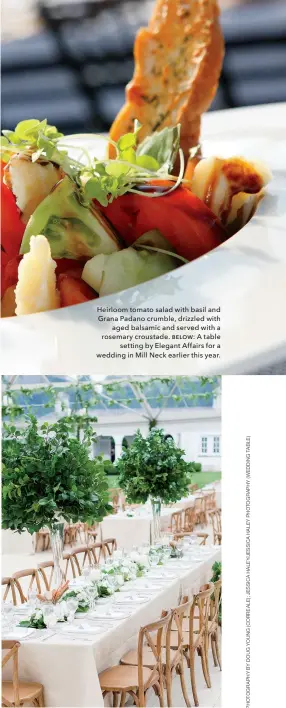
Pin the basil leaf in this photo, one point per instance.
(163, 146)
(148, 162)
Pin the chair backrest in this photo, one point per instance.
(215, 603)
(10, 588)
(31, 573)
(202, 604)
(48, 576)
(202, 538)
(97, 551)
(189, 518)
(176, 623)
(151, 635)
(109, 545)
(12, 648)
(81, 557)
(176, 521)
(199, 503)
(215, 517)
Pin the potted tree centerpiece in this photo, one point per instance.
(153, 468)
(48, 478)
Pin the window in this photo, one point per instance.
(216, 445)
(204, 445)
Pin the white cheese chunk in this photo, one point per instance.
(36, 288)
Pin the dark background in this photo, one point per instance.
(69, 60)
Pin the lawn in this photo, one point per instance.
(199, 478)
(202, 478)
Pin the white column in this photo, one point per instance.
(118, 445)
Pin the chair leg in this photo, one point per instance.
(169, 678)
(214, 650)
(193, 678)
(217, 649)
(206, 653)
(204, 666)
(123, 698)
(180, 671)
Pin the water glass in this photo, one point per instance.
(32, 598)
(72, 605)
(50, 617)
(8, 614)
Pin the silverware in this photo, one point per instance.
(48, 636)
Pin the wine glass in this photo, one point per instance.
(72, 605)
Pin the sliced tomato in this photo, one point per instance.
(74, 291)
(9, 272)
(12, 228)
(70, 267)
(183, 219)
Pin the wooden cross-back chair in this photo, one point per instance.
(82, 556)
(176, 522)
(46, 570)
(189, 519)
(195, 635)
(211, 501)
(109, 545)
(200, 510)
(115, 498)
(172, 659)
(15, 692)
(31, 573)
(202, 537)
(92, 532)
(213, 627)
(215, 517)
(10, 588)
(136, 680)
(43, 539)
(71, 533)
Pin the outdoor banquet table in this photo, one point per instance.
(69, 669)
(134, 530)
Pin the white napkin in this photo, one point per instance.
(82, 628)
(132, 598)
(18, 633)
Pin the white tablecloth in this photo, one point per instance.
(69, 669)
(134, 530)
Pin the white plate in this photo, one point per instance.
(246, 277)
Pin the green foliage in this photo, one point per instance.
(35, 621)
(103, 180)
(109, 467)
(216, 568)
(197, 467)
(47, 474)
(153, 467)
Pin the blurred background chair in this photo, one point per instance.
(73, 63)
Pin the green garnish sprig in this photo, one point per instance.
(104, 180)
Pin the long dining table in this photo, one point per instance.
(69, 666)
(133, 528)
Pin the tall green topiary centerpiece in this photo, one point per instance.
(48, 477)
(154, 468)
